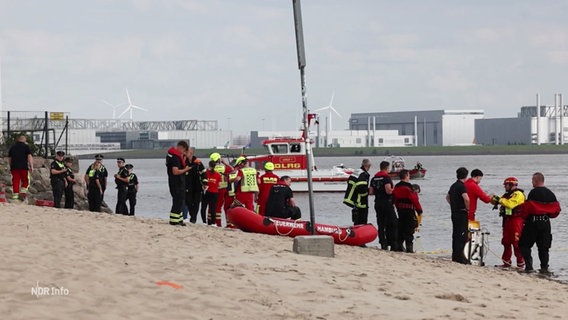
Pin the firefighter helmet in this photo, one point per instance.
(512, 181)
(215, 156)
(269, 166)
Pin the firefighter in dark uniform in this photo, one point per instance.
(121, 180)
(57, 177)
(357, 193)
(70, 182)
(387, 221)
(132, 189)
(176, 169)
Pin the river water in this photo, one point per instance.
(434, 237)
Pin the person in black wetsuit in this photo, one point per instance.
(540, 207)
(459, 203)
(280, 203)
(387, 221)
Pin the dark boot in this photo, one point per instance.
(409, 247)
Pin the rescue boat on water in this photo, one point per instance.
(398, 164)
(250, 221)
(289, 158)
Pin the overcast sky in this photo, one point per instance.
(235, 61)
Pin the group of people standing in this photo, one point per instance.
(526, 220)
(221, 185)
(126, 181)
(396, 232)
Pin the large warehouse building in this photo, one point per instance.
(430, 128)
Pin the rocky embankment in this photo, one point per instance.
(40, 185)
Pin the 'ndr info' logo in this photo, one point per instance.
(49, 291)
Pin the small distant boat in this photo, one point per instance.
(398, 164)
(289, 158)
(250, 221)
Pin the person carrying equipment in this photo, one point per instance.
(512, 221)
(246, 181)
(408, 208)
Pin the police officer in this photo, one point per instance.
(95, 186)
(57, 177)
(121, 180)
(70, 182)
(357, 193)
(132, 188)
(103, 174)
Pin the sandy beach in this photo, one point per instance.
(66, 264)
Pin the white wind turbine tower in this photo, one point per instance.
(130, 107)
(114, 107)
(331, 109)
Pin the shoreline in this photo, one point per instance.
(118, 267)
(357, 152)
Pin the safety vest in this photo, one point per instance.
(232, 186)
(248, 182)
(220, 168)
(353, 198)
(92, 173)
(504, 211)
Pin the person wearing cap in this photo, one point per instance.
(70, 182)
(195, 180)
(57, 176)
(176, 169)
(132, 189)
(121, 180)
(246, 183)
(512, 221)
(266, 181)
(280, 203)
(103, 174)
(224, 169)
(21, 165)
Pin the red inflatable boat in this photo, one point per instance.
(250, 221)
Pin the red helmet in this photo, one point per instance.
(512, 181)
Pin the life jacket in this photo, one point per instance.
(355, 197)
(248, 182)
(174, 152)
(506, 211)
(405, 198)
(220, 168)
(232, 186)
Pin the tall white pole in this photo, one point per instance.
(368, 131)
(415, 131)
(374, 141)
(561, 118)
(538, 119)
(556, 118)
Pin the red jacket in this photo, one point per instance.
(213, 180)
(536, 208)
(405, 198)
(474, 192)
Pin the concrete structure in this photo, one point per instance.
(317, 245)
(435, 127)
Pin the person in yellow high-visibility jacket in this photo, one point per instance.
(247, 184)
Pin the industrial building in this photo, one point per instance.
(527, 128)
(428, 128)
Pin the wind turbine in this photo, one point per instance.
(114, 107)
(331, 109)
(130, 107)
